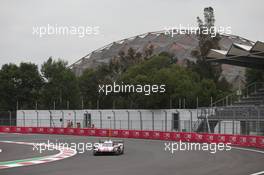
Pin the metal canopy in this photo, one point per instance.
(240, 55)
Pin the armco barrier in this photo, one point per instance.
(238, 140)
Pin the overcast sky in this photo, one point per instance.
(117, 19)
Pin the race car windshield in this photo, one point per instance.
(107, 144)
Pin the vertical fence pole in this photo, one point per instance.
(166, 119)
(233, 126)
(140, 118)
(62, 117)
(233, 123)
(114, 119)
(224, 127)
(219, 127)
(101, 122)
(152, 121)
(37, 118)
(191, 121)
(258, 122)
(50, 118)
(128, 119)
(75, 122)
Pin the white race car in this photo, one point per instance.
(109, 147)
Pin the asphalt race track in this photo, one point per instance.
(146, 157)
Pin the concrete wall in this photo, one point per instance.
(119, 119)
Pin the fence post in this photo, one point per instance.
(50, 117)
(191, 122)
(233, 127)
(140, 118)
(62, 116)
(258, 122)
(101, 124)
(114, 119)
(233, 123)
(166, 119)
(152, 121)
(219, 127)
(75, 122)
(37, 118)
(128, 119)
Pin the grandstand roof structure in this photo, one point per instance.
(181, 45)
(240, 55)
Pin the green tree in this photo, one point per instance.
(19, 85)
(61, 85)
(9, 86)
(30, 85)
(254, 75)
(207, 41)
(180, 83)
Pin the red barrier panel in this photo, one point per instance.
(238, 140)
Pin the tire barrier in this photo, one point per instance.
(235, 140)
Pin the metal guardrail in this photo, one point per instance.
(237, 95)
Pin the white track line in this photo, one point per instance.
(251, 150)
(247, 149)
(63, 154)
(262, 172)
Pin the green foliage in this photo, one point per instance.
(61, 85)
(180, 83)
(19, 84)
(206, 42)
(58, 84)
(206, 70)
(253, 75)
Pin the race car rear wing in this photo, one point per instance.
(114, 141)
